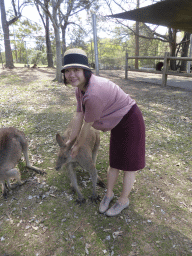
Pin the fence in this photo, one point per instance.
(165, 72)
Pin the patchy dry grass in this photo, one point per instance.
(41, 217)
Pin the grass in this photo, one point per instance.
(42, 218)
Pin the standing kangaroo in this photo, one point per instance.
(86, 158)
(12, 143)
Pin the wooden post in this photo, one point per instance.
(137, 40)
(126, 65)
(190, 55)
(95, 44)
(165, 70)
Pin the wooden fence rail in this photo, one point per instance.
(165, 71)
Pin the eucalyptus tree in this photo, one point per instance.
(5, 25)
(25, 31)
(60, 12)
(17, 7)
(71, 15)
(45, 20)
(53, 15)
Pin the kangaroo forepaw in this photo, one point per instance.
(14, 186)
(36, 170)
(80, 201)
(95, 199)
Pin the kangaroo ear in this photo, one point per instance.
(60, 140)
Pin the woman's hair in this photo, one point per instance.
(87, 74)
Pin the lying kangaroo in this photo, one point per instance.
(86, 158)
(12, 144)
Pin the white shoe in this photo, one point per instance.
(116, 209)
(105, 203)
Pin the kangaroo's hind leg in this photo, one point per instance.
(13, 174)
(26, 156)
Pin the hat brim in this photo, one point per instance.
(74, 66)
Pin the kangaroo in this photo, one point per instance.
(12, 143)
(86, 158)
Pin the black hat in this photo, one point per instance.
(75, 58)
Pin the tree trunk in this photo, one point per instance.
(172, 45)
(58, 42)
(8, 52)
(16, 59)
(48, 41)
(48, 44)
(58, 55)
(47, 34)
(63, 29)
(185, 49)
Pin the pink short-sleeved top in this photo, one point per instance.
(104, 103)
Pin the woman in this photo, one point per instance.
(105, 106)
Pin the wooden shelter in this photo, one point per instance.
(170, 13)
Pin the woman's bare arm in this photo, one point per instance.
(81, 138)
(76, 128)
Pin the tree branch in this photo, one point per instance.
(42, 19)
(146, 37)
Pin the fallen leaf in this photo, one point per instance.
(35, 228)
(117, 233)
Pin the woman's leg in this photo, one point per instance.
(112, 175)
(128, 182)
(123, 201)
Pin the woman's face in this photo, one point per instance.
(75, 77)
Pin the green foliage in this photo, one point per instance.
(38, 57)
(78, 38)
(28, 43)
(148, 45)
(111, 53)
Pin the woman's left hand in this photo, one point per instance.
(74, 151)
(81, 139)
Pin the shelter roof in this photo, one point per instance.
(170, 13)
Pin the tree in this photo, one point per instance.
(70, 17)
(172, 43)
(58, 17)
(5, 26)
(25, 30)
(45, 22)
(55, 4)
(185, 48)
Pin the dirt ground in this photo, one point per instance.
(41, 218)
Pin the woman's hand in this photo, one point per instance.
(69, 144)
(75, 151)
(81, 139)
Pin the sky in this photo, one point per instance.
(31, 13)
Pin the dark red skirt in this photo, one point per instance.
(127, 142)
